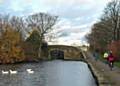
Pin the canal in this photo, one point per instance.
(48, 73)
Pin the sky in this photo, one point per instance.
(76, 17)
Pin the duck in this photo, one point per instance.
(5, 72)
(13, 72)
(30, 71)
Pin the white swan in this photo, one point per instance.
(13, 72)
(30, 71)
(5, 72)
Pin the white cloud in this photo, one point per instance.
(76, 16)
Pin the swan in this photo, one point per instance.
(13, 72)
(30, 71)
(5, 72)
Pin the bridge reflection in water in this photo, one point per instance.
(48, 73)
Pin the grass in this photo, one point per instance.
(117, 64)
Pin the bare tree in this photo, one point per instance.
(4, 23)
(112, 12)
(15, 22)
(101, 34)
(18, 24)
(108, 28)
(43, 23)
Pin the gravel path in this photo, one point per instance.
(102, 70)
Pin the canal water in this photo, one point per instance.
(48, 73)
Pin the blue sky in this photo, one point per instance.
(75, 16)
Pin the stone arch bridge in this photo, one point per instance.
(65, 52)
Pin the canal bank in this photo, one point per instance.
(101, 72)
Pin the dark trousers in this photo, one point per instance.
(111, 65)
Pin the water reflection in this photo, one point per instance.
(49, 73)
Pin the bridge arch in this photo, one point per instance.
(56, 54)
(67, 52)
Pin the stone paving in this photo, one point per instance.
(105, 76)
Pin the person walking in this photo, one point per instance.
(111, 60)
(96, 55)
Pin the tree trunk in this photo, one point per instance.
(117, 33)
(115, 30)
(39, 50)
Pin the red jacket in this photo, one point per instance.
(111, 58)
